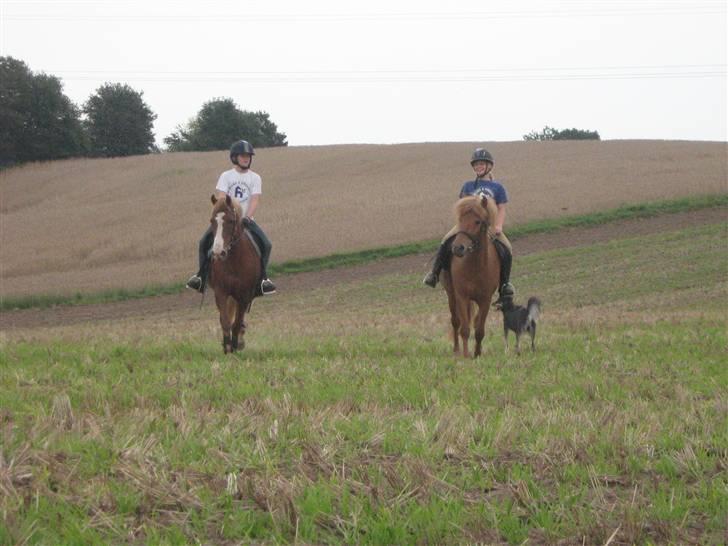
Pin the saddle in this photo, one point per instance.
(257, 244)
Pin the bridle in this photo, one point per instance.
(233, 240)
(475, 243)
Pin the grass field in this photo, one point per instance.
(346, 420)
(96, 225)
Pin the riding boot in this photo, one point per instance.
(442, 261)
(197, 282)
(505, 288)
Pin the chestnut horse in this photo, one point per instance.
(234, 272)
(474, 270)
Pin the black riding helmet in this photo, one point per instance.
(241, 147)
(481, 154)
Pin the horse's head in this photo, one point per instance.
(473, 214)
(225, 222)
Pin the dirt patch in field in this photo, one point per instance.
(290, 284)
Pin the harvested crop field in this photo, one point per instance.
(91, 225)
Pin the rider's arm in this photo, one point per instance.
(252, 205)
(220, 194)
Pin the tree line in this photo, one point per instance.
(39, 122)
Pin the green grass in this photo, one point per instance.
(346, 420)
(332, 261)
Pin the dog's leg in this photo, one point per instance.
(518, 340)
(533, 337)
(505, 337)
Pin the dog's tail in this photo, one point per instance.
(534, 308)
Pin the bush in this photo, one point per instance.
(549, 133)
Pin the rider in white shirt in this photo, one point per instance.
(243, 185)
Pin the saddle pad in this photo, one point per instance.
(255, 243)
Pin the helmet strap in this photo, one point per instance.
(488, 173)
(235, 162)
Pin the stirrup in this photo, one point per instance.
(267, 283)
(194, 283)
(430, 279)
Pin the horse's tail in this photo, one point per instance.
(534, 309)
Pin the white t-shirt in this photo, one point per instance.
(240, 186)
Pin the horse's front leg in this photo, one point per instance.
(463, 308)
(238, 327)
(454, 320)
(222, 307)
(480, 327)
(455, 323)
(455, 333)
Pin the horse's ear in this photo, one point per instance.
(228, 201)
(213, 199)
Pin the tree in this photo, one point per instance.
(219, 123)
(37, 121)
(119, 122)
(549, 133)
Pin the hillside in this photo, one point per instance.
(88, 225)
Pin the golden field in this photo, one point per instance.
(87, 225)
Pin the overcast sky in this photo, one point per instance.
(332, 72)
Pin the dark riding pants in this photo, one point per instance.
(263, 242)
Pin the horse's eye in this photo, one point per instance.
(477, 222)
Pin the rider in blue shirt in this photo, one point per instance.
(482, 163)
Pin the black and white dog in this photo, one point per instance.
(520, 319)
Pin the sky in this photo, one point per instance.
(384, 72)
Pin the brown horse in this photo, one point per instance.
(474, 270)
(234, 272)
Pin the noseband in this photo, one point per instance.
(475, 244)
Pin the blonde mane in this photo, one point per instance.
(474, 204)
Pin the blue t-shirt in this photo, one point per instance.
(491, 188)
